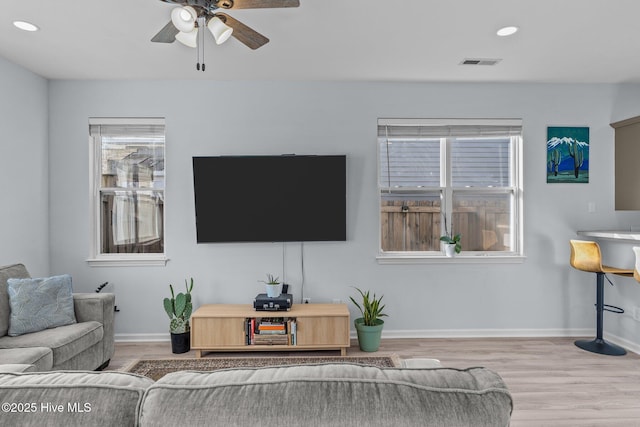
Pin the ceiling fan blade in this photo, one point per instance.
(246, 35)
(256, 4)
(167, 34)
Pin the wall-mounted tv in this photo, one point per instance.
(286, 198)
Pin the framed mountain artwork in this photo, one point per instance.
(567, 155)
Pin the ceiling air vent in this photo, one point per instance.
(479, 61)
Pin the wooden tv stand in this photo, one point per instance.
(222, 327)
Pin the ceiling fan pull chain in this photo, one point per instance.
(198, 48)
(203, 26)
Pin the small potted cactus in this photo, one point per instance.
(179, 308)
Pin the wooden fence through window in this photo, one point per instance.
(416, 225)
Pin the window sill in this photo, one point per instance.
(458, 259)
(121, 261)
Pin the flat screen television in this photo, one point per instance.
(284, 198)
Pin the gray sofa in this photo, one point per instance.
(85, 345)
(316, 395)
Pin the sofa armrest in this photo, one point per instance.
(100, 308)
(94, 306)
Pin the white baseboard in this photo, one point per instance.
(484, 333)
(142, 337)
(442, 333)
(622, 342)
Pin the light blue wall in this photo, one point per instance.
(541, 295)
(24, 168)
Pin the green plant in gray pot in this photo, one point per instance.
(369, 326)
(179, 308)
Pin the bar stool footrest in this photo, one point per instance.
(613, 309)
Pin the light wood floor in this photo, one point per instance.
(553, 383)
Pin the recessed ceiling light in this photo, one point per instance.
(26, 26)
(507, 31)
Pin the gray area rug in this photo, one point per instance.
(157, 368)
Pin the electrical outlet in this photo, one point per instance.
(306, 300)
(337, 301)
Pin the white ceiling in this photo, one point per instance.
(583, 41)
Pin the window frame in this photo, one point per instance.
(96, 257)
(447, 191)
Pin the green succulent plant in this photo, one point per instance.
(271, 280)
(179, 308)
(371, 308)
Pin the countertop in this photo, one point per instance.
(630, 236)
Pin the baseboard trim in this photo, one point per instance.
(628, 345)
(442, 333)
(425, 333)
(142, 337)
(484, 333)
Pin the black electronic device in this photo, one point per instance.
(286, 198)
(280, 303)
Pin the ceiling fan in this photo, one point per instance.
(194, 14)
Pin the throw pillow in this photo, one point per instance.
(40, 303)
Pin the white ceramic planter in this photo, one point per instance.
(274, 291)
(449, 249)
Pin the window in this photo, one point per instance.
(128, 182)
(449, 176)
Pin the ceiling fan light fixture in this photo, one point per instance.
(507, 31)
(221, 31)
(25, 26)
(184, 18)
(189, 39)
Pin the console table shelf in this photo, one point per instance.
(222, 327)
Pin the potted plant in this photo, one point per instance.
(451, 241)
(452, 244)
(179, 308)
(369, 326)
(273, 286)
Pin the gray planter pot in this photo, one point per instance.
(369, 336)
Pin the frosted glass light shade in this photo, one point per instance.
(184, 18)
(26, 26)
(188, 39)
(221, 31)
(507, 31)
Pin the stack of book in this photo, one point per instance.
(270, 331)
(260, 339)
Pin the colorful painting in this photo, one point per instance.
(567, 155)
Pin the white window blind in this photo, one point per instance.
(410, 152)
(409, 163)
(436, 128)
(127, 132)
(480, 162)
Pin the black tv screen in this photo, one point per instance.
(270, 198)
